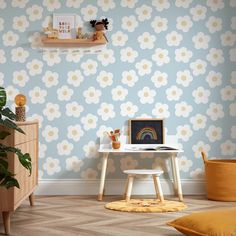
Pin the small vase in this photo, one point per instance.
(116, 144)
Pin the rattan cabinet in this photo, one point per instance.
(28, 143)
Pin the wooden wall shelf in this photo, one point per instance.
(73, 42)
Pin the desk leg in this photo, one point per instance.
(103, 176)
(176, 176)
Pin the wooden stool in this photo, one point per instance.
(155, 174)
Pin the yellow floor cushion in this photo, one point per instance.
(221, 222)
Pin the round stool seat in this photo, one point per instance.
(144, 172)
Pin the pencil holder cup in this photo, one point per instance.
(116, 144)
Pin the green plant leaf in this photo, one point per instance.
(4, 134)
(8, 113)
(4, 163)
(11, 125)
(3, 97)
(9, 182)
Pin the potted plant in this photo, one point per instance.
(7, 118)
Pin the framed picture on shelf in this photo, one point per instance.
(146, 131)
(66, 25)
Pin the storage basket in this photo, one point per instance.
(220, 179)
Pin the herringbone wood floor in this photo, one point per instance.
(85, 216)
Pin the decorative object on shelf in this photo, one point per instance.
(50, 32)
(79, 33)
(146, 131)
(115, 136)
(66, 25)
(20, 101)
(99, 26)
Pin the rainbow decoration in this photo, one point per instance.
(147, 133)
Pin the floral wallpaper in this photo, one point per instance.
(165, 59)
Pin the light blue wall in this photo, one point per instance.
(207, 94)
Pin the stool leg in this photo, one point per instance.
(158, 188)
(129, 187)
(126, 186)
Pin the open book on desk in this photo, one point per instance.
(147, 147)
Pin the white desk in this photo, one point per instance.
(170, 153)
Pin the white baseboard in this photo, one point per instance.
(114, 187)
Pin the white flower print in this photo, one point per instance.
(201, 40)
(10, 39)
(214, 133)
(128, 3)
(185, 164)
(184, 78)
(73, 3)
(228, 93)
(161, 110)
(19, 55)
(3, 4)
(144, 67)
(20, 78)
(37, 117)
(111, 168)
(183, 3)
(89, 174)
(106, 57)
(2, 57)
(214, 24)
(64, 148)
(119, 38)
(74, 132)
(198, 12)
(128, 109)
(34, 12)
(74, 164)
(232, 53)
(215, 56)
(89, 67)
(102, 131)
(215, 5)
(50, 79)
(89, 121)
(11, 92)
(52, 5)
(233, 23)
(128, 55)
(74, 109)
(146, 41)
(129, 78)
(75, 78)
(92, 95)
(184, 132)
(36, 40)
(73, 56)
(228, 38)
(159, 24)
(35, 67)
(233, 132)
(91, 150)
(119, 93)
(105, 79)
(161, 5)
(214, 79)
(173, 38)
(51, 58)
(184, 23)
(37, 95)
(197, 174)
(106, 111)
(198, 67)
(144, 12)
(19, 3)
(127, 163)
(1, 24)
(159, 79)
(232, 109)
(228, 148)
(200, 147)
(201, 95)
(52, 111)
(129, 23)
(64, 93)
(50, 133)
(52, 166)
(42, 150)
(174, 93)
(198, 121)
(161, 57)
(233, 77)
(183, 55)
(106, 5)
(1, 79)
(232, 3)
(146, 95)
(183, 109)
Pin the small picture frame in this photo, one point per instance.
(65, 24)
(146, 131)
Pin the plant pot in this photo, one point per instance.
(116, 144)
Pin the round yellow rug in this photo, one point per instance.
(146, 205)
